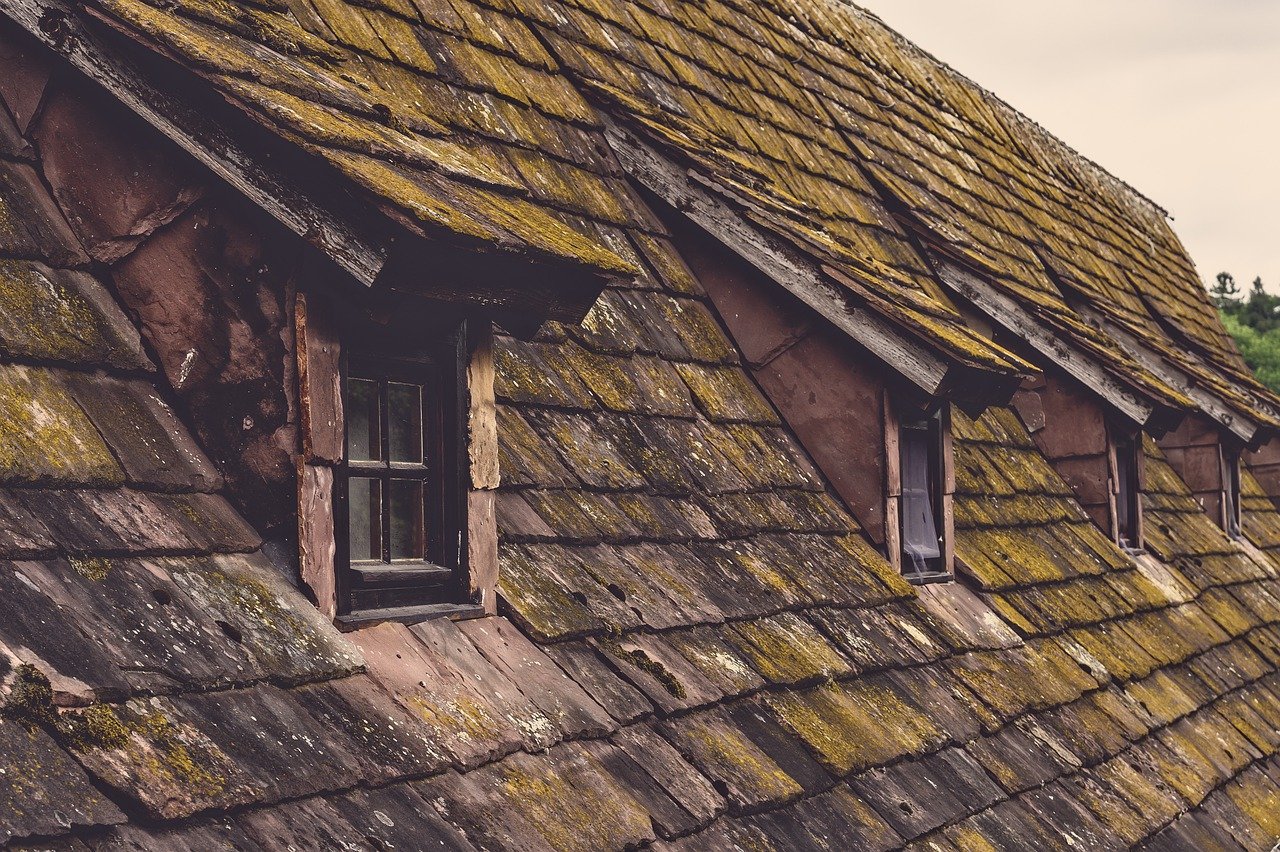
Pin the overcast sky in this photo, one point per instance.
(1180, 98)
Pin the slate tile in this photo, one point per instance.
(857, 725)
(288, 640)
(197, 837)
(66, 316)
(471, 714)
(910, 797)
(48, 438)
(49, 637)
(658, 670)
(31, 225)
(584, 665)
(831, 821)
(739, 770)
(568, 707)
(314, 823)
(145, 435)
(552, 597)
(785, 649)
(517, 520)
(1057, 806)
(524, 457)
(175, 757)
(716, 660)
(396, 817)
(564, 799)
(676, 776)
(127, 521)
(786, 750)
(43, 793)
(21, 533)
(668, 817)
(1019, 759)
(586, 450)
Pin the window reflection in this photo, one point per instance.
(364, 423)
(365, 524)
(406, 520)
(404, 422)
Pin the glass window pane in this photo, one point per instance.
(404, 422)
(364, 425)
(364, 501)
(920, 540)
(408, 539)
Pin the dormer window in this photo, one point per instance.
(1126, 488)
(398, 462)
(1231, 493)
(398, 526)
(924, 522)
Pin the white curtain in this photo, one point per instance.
(919, 529)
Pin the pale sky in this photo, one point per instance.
(1180, 98)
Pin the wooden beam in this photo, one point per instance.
(1010, 315)
(1232, 419)
(60, 26)
(798, 274)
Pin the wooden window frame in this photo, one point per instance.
(440, 579)
(1232, 517)
(1133, 539)
(942, 488)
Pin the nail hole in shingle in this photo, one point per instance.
(617, 591)
(721, 787)
(161, 596)
(906, 809)
(580, 598)
(231, 631)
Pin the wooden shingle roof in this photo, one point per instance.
(697, 648)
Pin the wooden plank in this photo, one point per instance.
(1234, 420)
(783, 264)
(409, 614)
(317, 551)
(59, 26)
(482, 418)
(1010, 315)
(319, 351)
(401, 575)
(482, 549)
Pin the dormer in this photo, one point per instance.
(1096, 451)
(1209, 464)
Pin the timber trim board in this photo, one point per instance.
(58, 26)
(1232, 419)
(917, 362)
(1004, 311)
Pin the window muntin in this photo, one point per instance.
(1128, 507)
(1231, 493)
(921, 521)
(398, 509)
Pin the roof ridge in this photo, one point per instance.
(1101, 171)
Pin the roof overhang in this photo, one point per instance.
(923, 366)
(1139, 408)
(372, 245)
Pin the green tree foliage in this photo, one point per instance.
(1254, 321)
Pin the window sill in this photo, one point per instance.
(408, 615)
(929, 579)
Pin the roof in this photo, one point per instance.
(697, 648)
(808, 119)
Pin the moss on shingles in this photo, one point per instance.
(654, 668)
(44, 435)
(41, 317)
(30, 699)
(93, 568)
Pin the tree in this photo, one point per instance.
(1254, 323)
(1225, 292)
